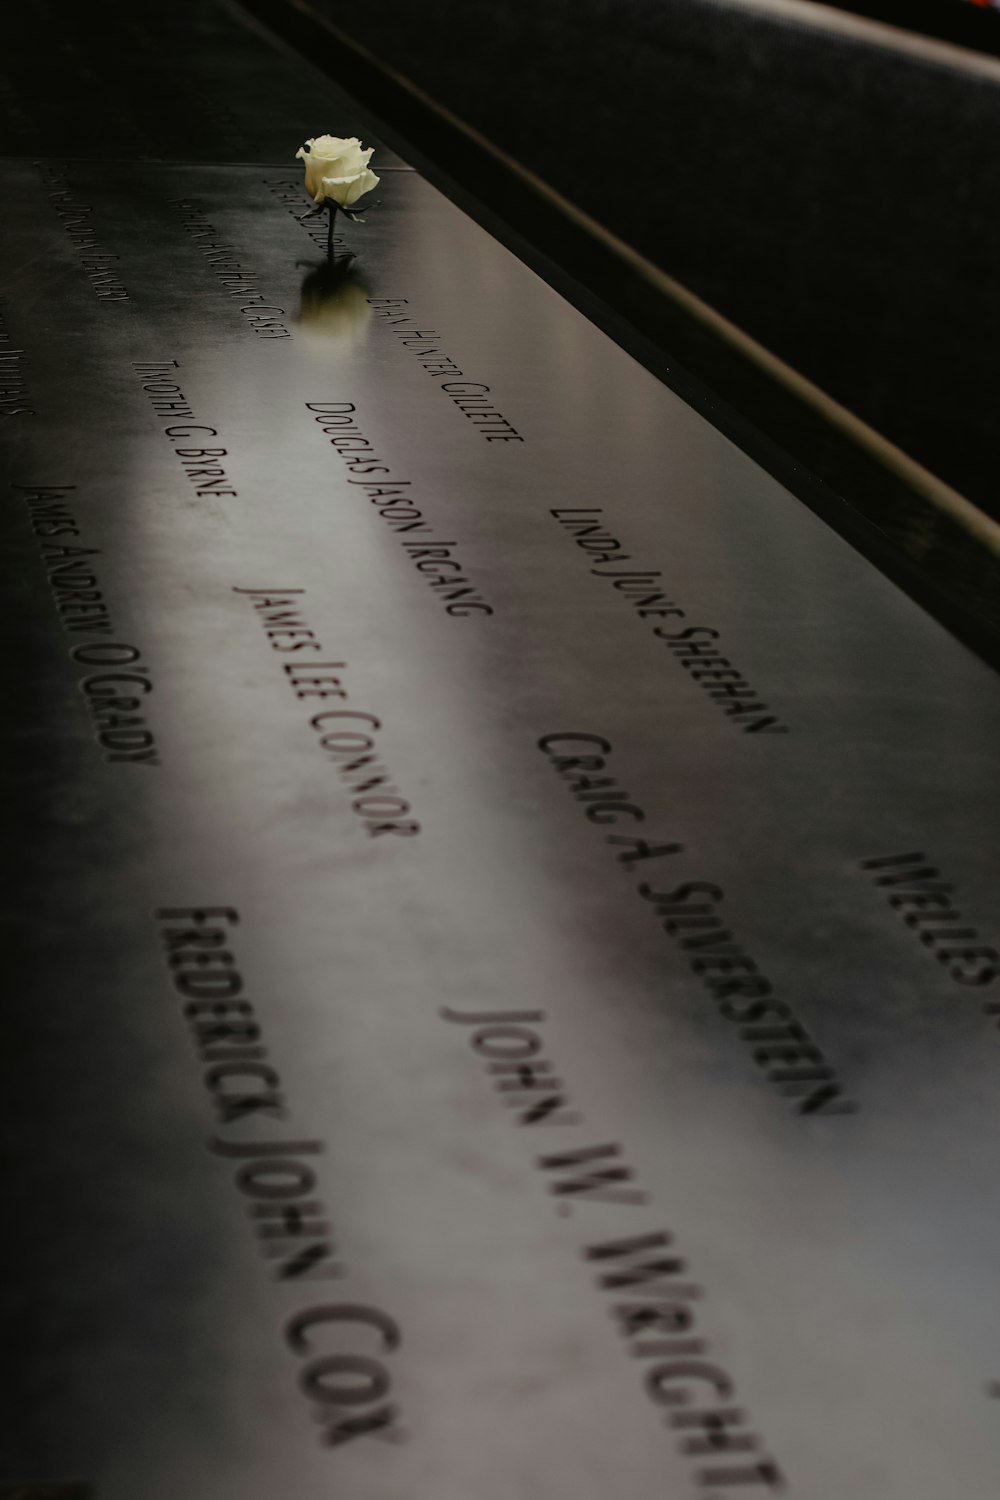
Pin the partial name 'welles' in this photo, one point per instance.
(200, 464)
(347, 736)
(343, 1345)
(77, 221)
(472, 397)
(927, 902)
(117, 683)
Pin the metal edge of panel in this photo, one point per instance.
(918, 530)
(932, 33)
(957, 23)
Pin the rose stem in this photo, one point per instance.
(332, 211)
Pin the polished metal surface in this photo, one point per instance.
(506, 899)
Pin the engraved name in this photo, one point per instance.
(779, 1044)
(342, 1345)
(76, 591)
(15, 399)
(924, 899)
(77, 222)
(653, 1303)
(237, 279)
(289, 193)
(347, 736)
(693, 646)
(472, 397)
(433, 557)
(200, 464)
(115, 695)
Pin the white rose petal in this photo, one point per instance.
(337, 168)
(347, 190)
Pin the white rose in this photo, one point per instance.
(337, 169)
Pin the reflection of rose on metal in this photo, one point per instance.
(335, 303)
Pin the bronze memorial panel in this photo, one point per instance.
(506, 899)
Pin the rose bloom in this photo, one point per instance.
(337, 169)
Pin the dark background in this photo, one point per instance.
(834, 196)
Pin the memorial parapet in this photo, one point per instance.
(506, 985)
